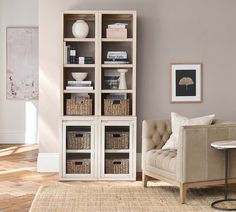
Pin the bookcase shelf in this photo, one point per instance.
(117, 40)
(92, 145)
(79, 65)
(117, 65)
(79, 91)
(117, 151)
(117, 91)
(78, 151)
(79, 39)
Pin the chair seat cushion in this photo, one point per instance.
(164, 159)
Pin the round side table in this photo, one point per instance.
(226, 146)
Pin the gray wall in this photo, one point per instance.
(168, 31)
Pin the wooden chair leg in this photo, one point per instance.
(145, 179)
(183, 192)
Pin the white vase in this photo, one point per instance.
(122, 84)
(80, 29)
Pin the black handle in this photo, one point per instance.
(116, 136)
(79, 135)
(117, 162)
(79, 163)
(116, 102)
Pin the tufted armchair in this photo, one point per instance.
(194, 163)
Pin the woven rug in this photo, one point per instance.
(122, 197)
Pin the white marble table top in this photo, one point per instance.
(227, 144)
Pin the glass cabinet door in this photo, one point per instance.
(117, 149)
(79, 155)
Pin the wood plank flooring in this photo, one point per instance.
(19, 180)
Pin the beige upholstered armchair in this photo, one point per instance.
(194, 163)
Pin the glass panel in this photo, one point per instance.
(78, 163)
(117, 137)
(78, 138)
(117, 163)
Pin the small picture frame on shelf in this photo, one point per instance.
(186, 82)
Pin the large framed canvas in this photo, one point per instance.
(22, 63)
(186, 82)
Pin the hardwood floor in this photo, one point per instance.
(19, 180)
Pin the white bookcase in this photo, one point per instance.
(89, 148)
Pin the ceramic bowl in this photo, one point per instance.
(79, 76)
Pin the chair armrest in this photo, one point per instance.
(196, 160)
(154, 135)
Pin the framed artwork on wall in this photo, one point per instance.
(22, 63)
(186, 82)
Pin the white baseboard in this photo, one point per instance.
(12, 137)
(48, 162)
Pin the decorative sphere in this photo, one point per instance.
(80, 29)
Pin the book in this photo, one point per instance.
(80, 85)
(65, 53)
(85, 58)
(117, 55)
(110, 79)
(116, 62)
(79, 88)
(86, 62)
(117, 26)
(79, 82)
(116, 59)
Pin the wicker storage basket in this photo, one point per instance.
(79, 166)
(117, 140)
(116, 107)
(79, 106)
(78, 140)
(117, 166)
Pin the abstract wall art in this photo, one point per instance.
(22, 63)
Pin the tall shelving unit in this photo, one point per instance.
(89, 148)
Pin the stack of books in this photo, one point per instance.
(87, 85)
(85, 60)
(111, 79)
(117, 57)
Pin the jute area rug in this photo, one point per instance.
(122, 197)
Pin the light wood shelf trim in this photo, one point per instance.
(78, 151)
(79, 39)
(117, 65)
(117, 151)
(117, 91)
(79, 65)
(117, 39)
(80, 12)
(76, 118)
(79, 91)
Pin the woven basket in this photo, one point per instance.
(78, 140)
(117, 140)
(79, 166)
(117, 166)
(79, 106)
(116, 107)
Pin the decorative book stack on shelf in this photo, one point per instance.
(98, 98)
